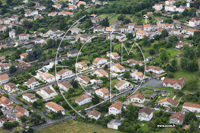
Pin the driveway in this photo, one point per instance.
(154, 82)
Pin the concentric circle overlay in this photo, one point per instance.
(76, 74)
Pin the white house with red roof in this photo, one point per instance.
(65, 85)
(140, 34)
(154, 69)
(83, 80)
(47, 92)
(133, 62)
(52, 14)
(20, 112)
(139, 98)
(23, 56)
(64, 73)
(31, 83)
(103, 92)
(93, 114)
(177, 84)
(99, 61)
(177, 118)
(55, 107)
(72, 7)
(47, 77)
(83, 99)
(57, 6)
(170, 8)
(145, 114)
(23, 36)
(167, 102)
(81, 3)
(191, 107)
(122, 84)
(6, 102)
(194, 22)
(4, 79)
(158, 7)
(115, 108)
(137, 75)
(100, 73)
(30, 97)
(81, 66)
(191, 31)
(113, 55)
(117, 68)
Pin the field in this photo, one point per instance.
(75, 127)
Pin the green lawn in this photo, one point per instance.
(161, 88)
(70, 126)
(114, 18)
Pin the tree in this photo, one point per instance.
(95, 100)
(174, 63)
(105, 22)
(183, 63)
(190, 116)
(23, 118)
(9, 2)
(145, 41)
(192, 85)
(192, 66)
(30, 130)
(127, 74)
(163, 54)
(12, 69)
(82, 6)
(129, 36)
(164, 33)
(152, 52)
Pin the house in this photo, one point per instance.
(113, 55)
(179, 54)
(177, 84)
(30, 97)
(24, 65)
(65, 85)
(158, 7)
(177, 118)
(75, 30)
(81, 3)
(131, 27)
(170, 2)
(4, 79)
(134, 62)
(115, 108)
(147, 27)
(191, 107)
(12, 34)
(30, 13)
(66, 13)
(72, 7)
(57, 6)
(23, 56)
(99, 61)
(114, 124)
(41, 8)
(2, 28)
(137, 98)
(194, 22)
(6, 119)
(84, 80)
(23, 37)
(167, 102)
(181, 44)
(101, 73)
(93, 15)
(73, 53)
(10, 87)
(94, 114)
(47, 92)
(2, 59)
(96, 20)
(122, 84)
(52, 14)
(81, 66)
(110, 29)
(103, 92)
(5, 66)
(190, 31)
(140, 34)
(55, 107)
(21, 111)
(64, 73)
(145, 114)
(155, 70)
(170, 8)
(47, 77)
(124, 29)
(31, 83)
(6, 103)
(83, 99)
(99, 29)
(137, 75)
(121, 37)
(117, 68)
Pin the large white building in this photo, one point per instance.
(64, 73)
(103, 92)
(65, 85)
(115, 108)
(55, 107)
(30, 97)
(4, 79)
(83, 99)
(145, 114)
(168, 102)
(99, 61)
(191, 107)
(137, 75)
(137, 98)
(155, 70)
(122, 84)
(47, 77)
(158, 7)
(101, 73)
(94, 114)
(117, 68)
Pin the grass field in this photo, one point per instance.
(75, 127)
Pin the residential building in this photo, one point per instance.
(177, 84)
(12, 34)
(115, 108)
(145, 114)
(94, 114)
(83, 80)
(81, 66)
(47, 92)
(190, 31)
(55, 107)
(194, 22)
(101, 73)
(31, 83)
(114, 124)
(23, 56)
(83, 99)
(139, 98)
(10, 87)
(47, 77)
(81, 3)
(20, 111)
(72, 7)
(191, 107)
(110, 29)
(134, 62)
(147, 27)
(64, 73)
(2, 59)
(137, 75)
(65, 85)
(96, 20)
(117, 68)
(154, 70)
(131, 27)
(6, 103)
(167, 102)
(99, 29)
(177, 118)
(113, 55)
(122, 84)
(4, 79)
(181, 44)
(158, 7)
(52, 14)
(103, 92)
(66, 13)
(29, 97)
(140, 34)
(5, 66)
(99, 61)
(75, 30)
(57, 6)
(73, 53)
(23, 37)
